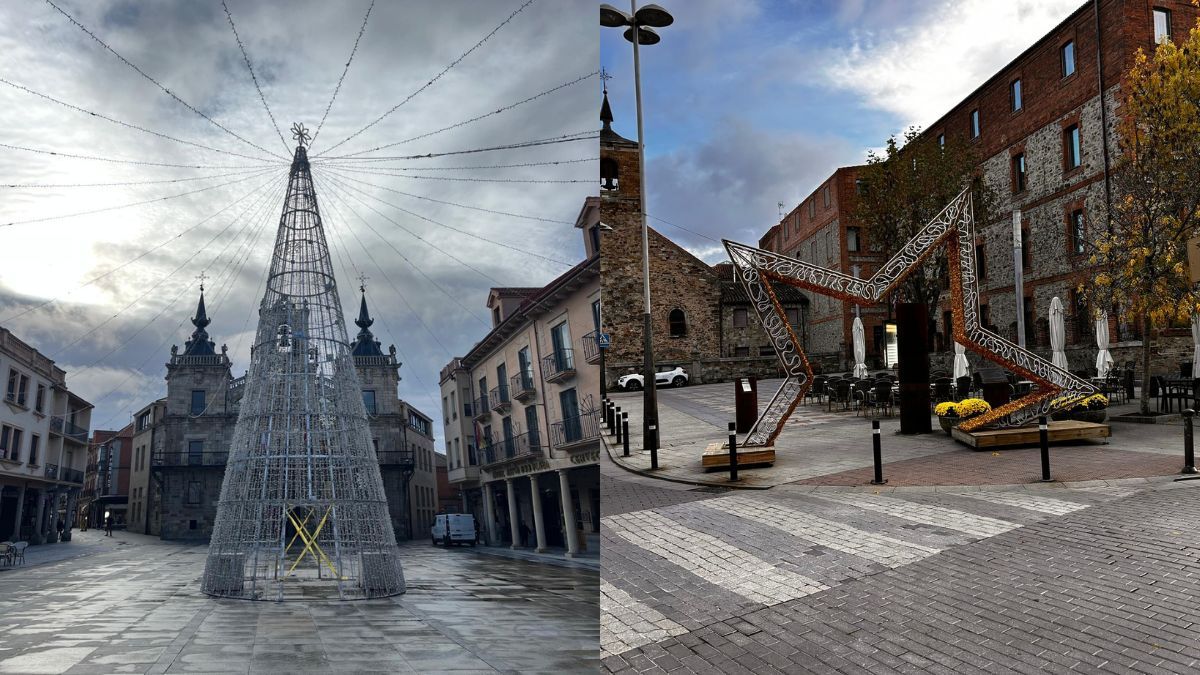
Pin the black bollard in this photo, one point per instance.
(1044, 440)
(608, 414)
(625, 432)
(877, 451)
(733, 451)
(617, 423)
(1189, 453)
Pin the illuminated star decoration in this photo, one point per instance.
(952, 228)
(300, 133)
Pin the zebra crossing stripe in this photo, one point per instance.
(828, 533)
(953, 519)
(711, 559)
(626, 623)
(1049, 505)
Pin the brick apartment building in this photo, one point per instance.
(1045, 128)
(700, 314)
(106, 479)
(820, 230)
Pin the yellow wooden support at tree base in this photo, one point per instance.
(310, 543)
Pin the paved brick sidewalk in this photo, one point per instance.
(1082, 581)
(1011, 466)
(820, 447)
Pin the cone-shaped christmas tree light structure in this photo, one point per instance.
(302, 505)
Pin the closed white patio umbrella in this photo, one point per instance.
(1058, 333)
(860, 349)
(961, 367)
(1104, 360)
(1195, 345)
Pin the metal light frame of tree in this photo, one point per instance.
(952, 228)
(302, 504)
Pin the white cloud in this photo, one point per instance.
(729, 186)
(299, 50)
(921, 70)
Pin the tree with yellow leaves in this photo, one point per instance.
(1142, 259)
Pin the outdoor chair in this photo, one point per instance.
(6, 554)
(18, 551)
(976, 382)
(963, 387)
(938, 374)
(1158, 390)
(840, 395)
(817, 390)
(882, 399)
(1113, 388)
(942, 390)
(862, 395)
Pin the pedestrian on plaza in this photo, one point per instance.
(108, 525)
(60, 528)
(524, 530)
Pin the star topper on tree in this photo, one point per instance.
(300, 133)
(952, 228)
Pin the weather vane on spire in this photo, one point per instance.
(362, 282)
(300, 133)
(604, 78)
(202, 276)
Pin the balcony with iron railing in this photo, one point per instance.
(67, 429)
(522, 446)
(521, 386)
(51, 471)
(397, 458)
(498, 398)
(186, 458)
(559, 366)
(71, 475)
(480, 407)
(591, 348)
(576, 431)
(374, 361)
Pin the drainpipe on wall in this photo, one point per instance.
(1103, 117)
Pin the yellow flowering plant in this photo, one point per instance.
(946, 409)
(1073, 405)
(970, 407)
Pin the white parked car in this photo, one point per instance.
(453, 528)
(676, 378)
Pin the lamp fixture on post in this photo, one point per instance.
(642, 22)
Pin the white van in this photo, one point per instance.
(453, 528)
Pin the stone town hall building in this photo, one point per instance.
(181, 442)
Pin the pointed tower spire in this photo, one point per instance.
(606, 115)
(199, 344)
(302, 504)
(365, 343)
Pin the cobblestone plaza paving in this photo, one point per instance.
(1084, 576)
(1047, 579)
(134, 606)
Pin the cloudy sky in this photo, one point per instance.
(752, 103)
(427, 282)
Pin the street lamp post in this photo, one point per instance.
(640, 24)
